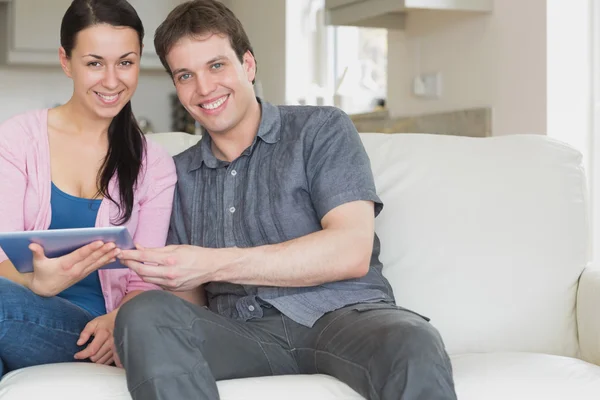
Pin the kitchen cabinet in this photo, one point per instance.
(391, 14)
(30, 30)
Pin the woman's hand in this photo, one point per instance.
(101, 349)
(53, 275)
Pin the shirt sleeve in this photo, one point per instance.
(337, 166)
(13, 170)
(155, 207)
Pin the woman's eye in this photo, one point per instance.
(94, 64)
(126, 63)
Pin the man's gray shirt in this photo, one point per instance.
(304, 162)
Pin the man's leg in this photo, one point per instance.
(381, 351)
(172, 349)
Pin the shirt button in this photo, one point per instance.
(232, 210)
(251, 308)
(233, 173)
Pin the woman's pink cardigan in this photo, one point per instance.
(25, 184)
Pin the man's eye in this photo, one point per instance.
(184, 77)
(217, 66)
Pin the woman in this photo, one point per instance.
(82, 164)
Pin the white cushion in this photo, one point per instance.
(487, 236)
(174, 142)
(76, 381)
(495, 376)
(524, 376)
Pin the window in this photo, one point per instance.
(326, 65)
(595, 139)
(360, 67)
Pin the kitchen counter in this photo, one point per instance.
(475, 122)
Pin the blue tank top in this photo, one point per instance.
(74, 212)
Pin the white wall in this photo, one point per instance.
(26, 88)
(264, 22)
(595, 138)
(496, 60)
(569, 106)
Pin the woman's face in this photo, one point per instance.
(104, 66)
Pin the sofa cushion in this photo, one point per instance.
(496, 376)
(486, 236)
(174, 142)
(524, 376)
(76, 381)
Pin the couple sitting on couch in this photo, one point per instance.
(269, 222)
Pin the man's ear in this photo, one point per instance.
(250, 66)
(65, 62)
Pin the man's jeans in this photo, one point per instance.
(37, 330)
(172, 349)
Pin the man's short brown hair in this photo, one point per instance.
(196, 18)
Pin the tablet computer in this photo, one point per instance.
(59, 242)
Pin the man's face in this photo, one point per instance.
(211, 82)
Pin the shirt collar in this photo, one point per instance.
(268, 131)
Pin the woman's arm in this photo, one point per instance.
(51, 276)
(13, 169)
(196, 296)
(8, 271)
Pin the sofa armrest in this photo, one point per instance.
(588, 315)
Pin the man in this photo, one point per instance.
(274, 216)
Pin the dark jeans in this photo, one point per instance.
(37, 330)
(172, 349)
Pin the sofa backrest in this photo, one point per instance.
(486, 236)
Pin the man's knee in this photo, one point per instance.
(417, 362)
(145, 311)
(411, 338)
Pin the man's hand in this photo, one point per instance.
(101, 349)
(175, 268)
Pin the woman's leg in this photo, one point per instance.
(37, 330)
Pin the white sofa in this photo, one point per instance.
(488, 237)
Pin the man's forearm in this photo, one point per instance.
(324, 256)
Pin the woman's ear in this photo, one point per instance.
(65, 61)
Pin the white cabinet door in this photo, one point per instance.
(36, 24)
(34, 29)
